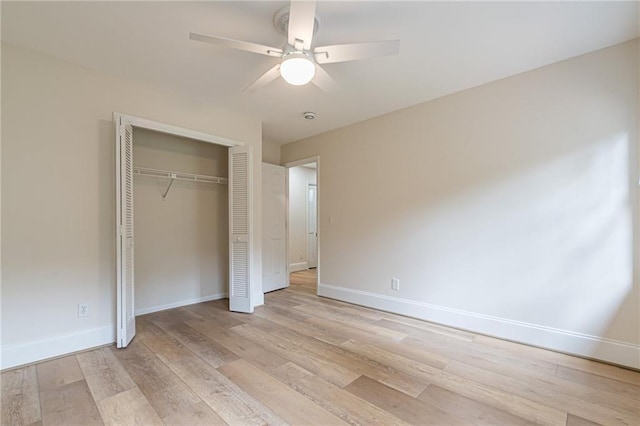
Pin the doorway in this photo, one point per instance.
(303, 230)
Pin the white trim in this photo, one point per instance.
(296, 163)
(258, 298)
(300, 266)
(186, 302)
(175, 130)
(614, 351)
(38, 350)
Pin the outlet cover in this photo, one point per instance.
(395, 284)
(83, 310)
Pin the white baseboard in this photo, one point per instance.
(150, 309)
(38, 350)
(300, 266)
(617, 352)
(41, 349)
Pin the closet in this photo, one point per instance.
(170, 220)
(180, 221)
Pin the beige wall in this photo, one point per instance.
(58, 207)
(271, 153)
(507, 209)
(299, 179)
(182, 241)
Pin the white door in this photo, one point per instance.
(240, 229)
(126, 327)
(274, 268)
(312, 225)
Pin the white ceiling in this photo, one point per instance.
(445, 47)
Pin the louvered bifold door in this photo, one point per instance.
(240, 227)
(125, 287)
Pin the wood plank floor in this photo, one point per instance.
(305, 360)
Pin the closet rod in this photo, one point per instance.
(167, 174)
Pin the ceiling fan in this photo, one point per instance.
(300, 63)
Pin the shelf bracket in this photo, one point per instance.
(166, 191)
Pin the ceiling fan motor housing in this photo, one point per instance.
(281, 21)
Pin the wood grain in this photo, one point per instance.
(129, 407)
(401, 405)
(545, 393)
(539, 354)
(104, 374)
(579, 421)
(210, 311)
(199, 414)
(206, 348)
(459, 383)
(343, 404)
(468, 409)
(332, 372)
(583, 378)
(361, 363)
(59, 372)
(472, 353)
(302, 359)
(224, 397)
(20, 397)
(166, 392)
(392, 321)
(330, 317)
(283, 400)
(240, 346)
(299, 321)
(70, 404)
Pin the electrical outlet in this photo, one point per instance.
(395, 284)
(301, 256)
(83, 310)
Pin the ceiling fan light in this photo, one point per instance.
(297, 69)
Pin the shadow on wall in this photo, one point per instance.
(509, 206)
(548, 244)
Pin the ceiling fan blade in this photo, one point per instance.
(324, 81)
(237, 44)
(264, 79)
(355, 51)
(302, 15)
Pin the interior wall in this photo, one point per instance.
(58, 196)
(507, 209)
(270, 153)
(182, 241)
(299, 179)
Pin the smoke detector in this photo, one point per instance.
(309, 115)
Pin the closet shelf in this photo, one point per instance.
(167, 174)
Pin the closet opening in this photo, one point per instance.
(186, 198)
(180, 221)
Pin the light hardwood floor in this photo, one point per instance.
(306, 360)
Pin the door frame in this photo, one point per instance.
(288, 165)
(120, 119)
